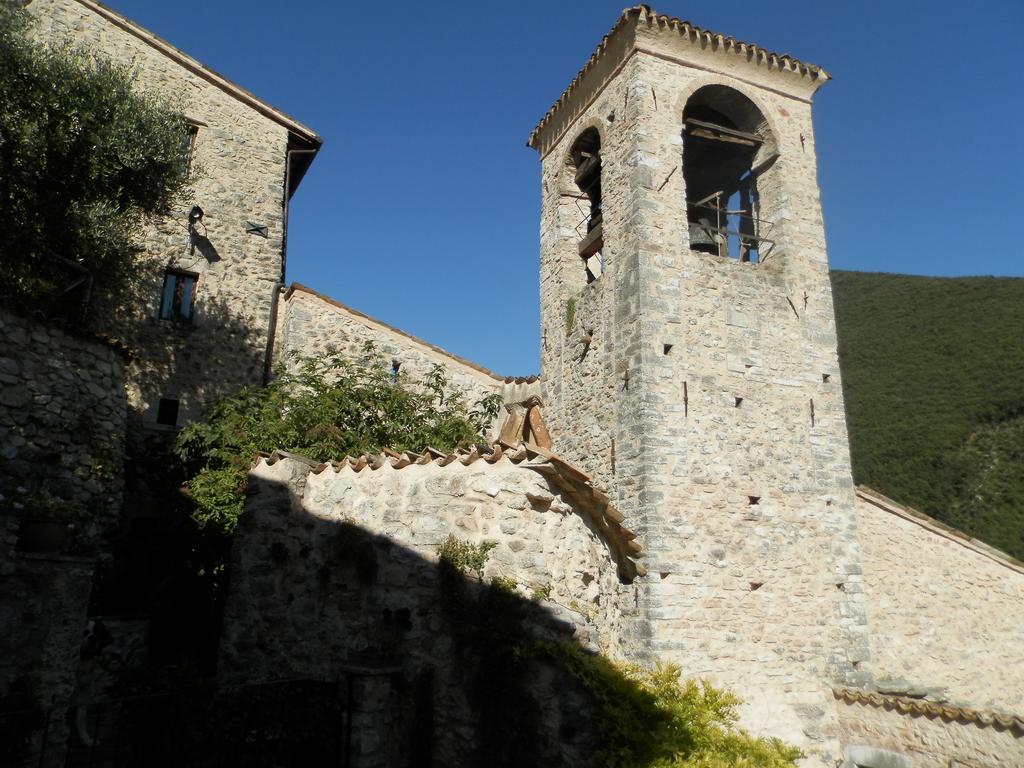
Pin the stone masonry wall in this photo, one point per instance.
(946, 617)
(238, 176)
(310, 324)
(705, 393)
(62, 428)
(336, 572)
(924, 742)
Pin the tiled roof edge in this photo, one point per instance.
(921, 707)
(176, 54)
(433, 347)
(570, 481)
(781, 61)
(877, 499)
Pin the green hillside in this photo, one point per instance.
(933, 375)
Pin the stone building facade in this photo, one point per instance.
(309, 323)
(703, 388)
(198, 321)
(702, 511)
(689, 369)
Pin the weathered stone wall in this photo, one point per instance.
(876, 737)
(43, 603)
(705, 392)
(62, 428)
(311, 324)
(239, 176)
(336, 573)
(946, 615)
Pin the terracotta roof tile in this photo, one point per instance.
(568, 479)
(920, 707)
(643, 13)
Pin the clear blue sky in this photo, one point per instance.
(422, 208)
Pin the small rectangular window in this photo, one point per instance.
(167, 412)
(179, 296)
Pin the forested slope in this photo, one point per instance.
(933, 375)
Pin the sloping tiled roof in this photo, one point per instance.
(921, 707)
(571, 482)
(886, 504)
(381, 324)
(703, 37)
(201, 70)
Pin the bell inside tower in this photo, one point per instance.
(585, 164)
(727, 150)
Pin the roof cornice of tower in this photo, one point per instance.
(640, 24)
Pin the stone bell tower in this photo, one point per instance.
(689, 360)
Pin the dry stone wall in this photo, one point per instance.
(336, 573)
(946, 616)
(43, 604)
(238, 176)
(62, 428)
(705, 392)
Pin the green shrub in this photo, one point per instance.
(84, 158)
(464, 556)
(327, 408)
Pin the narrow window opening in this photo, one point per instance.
(812, 412)
(726, 152)
(395, 367)
(179, 296)
(585, 163)
(667, 348)
(167, 412)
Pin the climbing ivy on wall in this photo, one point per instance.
(326, 408)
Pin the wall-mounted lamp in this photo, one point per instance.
(195, 215)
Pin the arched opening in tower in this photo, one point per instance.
(728, 155)
(585, 164)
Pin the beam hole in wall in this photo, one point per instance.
(167, 412)
(666, 349)
(826, 378)
(737, 401)
(753, 501)
(756, 585)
